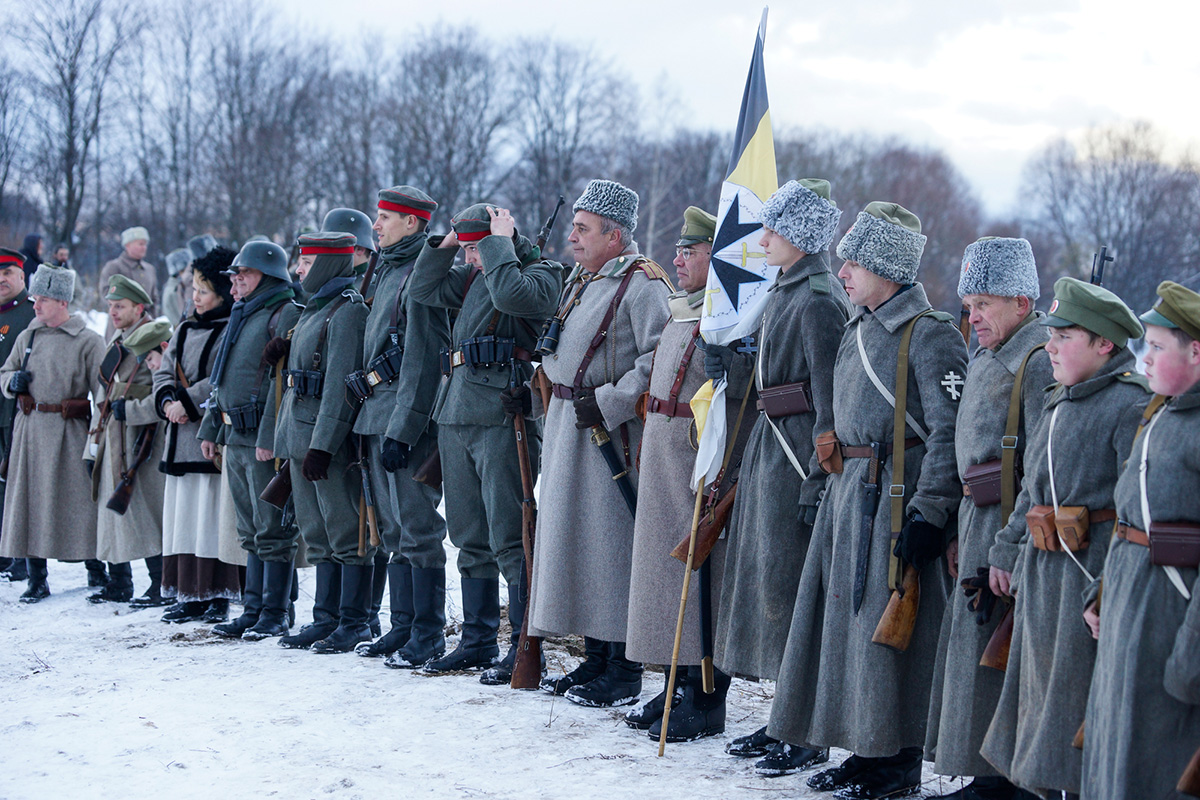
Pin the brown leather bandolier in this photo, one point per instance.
(671, 407)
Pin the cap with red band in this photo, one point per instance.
(326, 243)
(407, 200)
(10, 258)
(472, 223)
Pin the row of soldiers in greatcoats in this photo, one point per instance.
(871, 463)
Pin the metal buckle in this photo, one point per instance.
(896, 490)
(291, 381)
(457, 359)
(228, 420)
(1008, 442)
(373, 378)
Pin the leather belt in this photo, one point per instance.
(1103, 515)
(668, 408)
(866, 451)
(49, 408)
(564, 392)
(458, 359)
(1131, 534)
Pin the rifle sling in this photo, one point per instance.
(896, 490)
(1008, 444)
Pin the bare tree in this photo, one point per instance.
(13, 116)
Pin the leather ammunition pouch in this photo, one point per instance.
(483, 351)
(786, 400)
(829, 452)
(1070, 524)
(76, 408)
(1040, 520)
(243, 419)
(982, 482)
(1175, 544)
(384, 367)
(305, 382)
(356, 382)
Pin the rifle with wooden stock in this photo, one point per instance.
(123, 493)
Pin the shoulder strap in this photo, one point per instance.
(681, 373)
(1009, 442)
(818, 282)
(896, 490)
(602, 331)
(29, 349)
(475, 270)
(333, 307)
(1156, 402)
(273, 320)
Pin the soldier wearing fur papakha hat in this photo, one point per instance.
(313, 431)
(585, 524)
(16, 312)
(1142, 720)
(49, 370)
(837, 687)
(397, 386)
(772, 520)
(132, 264)
(241, 418)
(1001, 404)
(1059, 533)
(503, 293)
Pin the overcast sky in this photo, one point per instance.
(989, 82)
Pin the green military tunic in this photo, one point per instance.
(267, 312)
(326, 510)
(965, 694)
(518, 289)
(835, 686)
(1143, 712)
(410, 526)
(1050, 660)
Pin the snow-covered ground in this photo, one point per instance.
(101, 701)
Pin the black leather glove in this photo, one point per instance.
(394, 455)
(316, 465)
(517, 400)
(807, 516)
(587, 413)
(275, 350)
(980, 601)
(717, 360)
(118, 409)
(920, 542)
(19, 382)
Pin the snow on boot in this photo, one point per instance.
(843, 774)
(754, 745)
(16, 570)
(38, 588)
(189, 611)
(427, 640)
(325, 609)
(400, 597)
(594, 660)
(650, 712)
(896, 776)
(481, 622)
(217, 611)
(119, 588)
(251, 602)
(784, 759)
(353, 611)
(619, 685)
(697, 714)
(501, 674)
(276, 591)
(152, 598)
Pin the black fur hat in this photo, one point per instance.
(210, 266)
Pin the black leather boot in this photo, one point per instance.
(595, 658)
(619, 685)
(697, 714)
(188, 611)
(400, 597)
(992, 787)
(753, 745)
(379, 580)
(427, 638)
(251, 602)
(276, 594)
(216, 610)
(97, 574)
(353, 610)
(843, 774)
(501, 674)
(293, 597)
(895, 776)
(481, 622)
(784, 759)
(119, 588)
(650, 712)
(152, 598)
(38, 589)
(15, 570)
(325, 608)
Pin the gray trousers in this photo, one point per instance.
(327, 512)
(258, 523)
(410, 527)
(482, 481)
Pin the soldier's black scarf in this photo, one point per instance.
(268, 292)
(404, 250)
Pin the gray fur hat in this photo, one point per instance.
(57, 283)
(1000, 266)
(803, 213)
(610, 200)
(885, 239)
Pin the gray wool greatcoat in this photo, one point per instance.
(667, 502)
(965, 694)
(584, 549)
(1050, 660)
(805, 315)
(193, 348)
(1143, 712)
(835, 686)
(141, 271)
(138, 532)
(48, 507)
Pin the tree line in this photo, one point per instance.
(220, 118)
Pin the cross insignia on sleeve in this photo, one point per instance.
(953, 383)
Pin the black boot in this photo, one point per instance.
(698, 714)
(501, 674)
(217, 611)
(895, 776)
(293, 597)
(325, 608)
(153, 595)
(843, 774)
(251, 602)
(189, 611)
(353, 610)
(985, 788)
(754, 745)
(119, 588)
(784, 759)
(97, 574)
(481, 621)
(276, 591)
(595, 658)
(650, 712)
(15, 570)
(39, 587)
(378, 586)
(400, 598)
(427, 639)
(619, 684)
